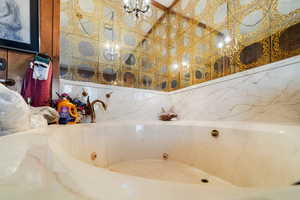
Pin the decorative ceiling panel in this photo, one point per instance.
(196, 41)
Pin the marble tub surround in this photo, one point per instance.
(31, 171)
(266, 94)
(270, 93)
(123, 103)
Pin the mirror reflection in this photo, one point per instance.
(193, 42)
(129, 59)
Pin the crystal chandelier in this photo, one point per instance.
(137, 7)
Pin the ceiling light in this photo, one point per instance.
(227, 39)
(137, 7)
(220, 45)
(175, 66)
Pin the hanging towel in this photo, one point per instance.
(37, 84)
(41, 68)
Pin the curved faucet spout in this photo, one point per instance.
(91, 106)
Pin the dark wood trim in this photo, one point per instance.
(173, 4)
(169, 9)
(200, 24)
(159, 5)
(3, 54)
(56, 37)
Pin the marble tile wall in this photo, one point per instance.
(267, 94)
(270, 93)
(124, 104)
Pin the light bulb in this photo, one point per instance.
(126, 2)
(227, 39)
(220, 45)
(175, 66)
(185, 63)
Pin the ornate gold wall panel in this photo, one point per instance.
(185, 47)
(253, 55)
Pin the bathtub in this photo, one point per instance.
(153, 160)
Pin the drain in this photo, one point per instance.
(215, 133)
(165, 156)
(93, 156)
(204, 180)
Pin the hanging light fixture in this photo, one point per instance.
(111, 49)
(137, 7)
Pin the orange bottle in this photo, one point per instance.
(67, 111)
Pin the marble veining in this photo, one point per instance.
(124, 104)
(270, 94)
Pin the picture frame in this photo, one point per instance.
(19, 25)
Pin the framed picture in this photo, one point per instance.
(19, 25)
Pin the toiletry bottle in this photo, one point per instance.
(67, 112)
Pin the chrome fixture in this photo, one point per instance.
(137, 7)
(92, 108)
(8, 82)
(215, 133)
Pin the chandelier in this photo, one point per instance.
(111, 50)
(137, 7)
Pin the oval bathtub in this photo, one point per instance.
(177, 160)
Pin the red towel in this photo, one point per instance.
(39, 92)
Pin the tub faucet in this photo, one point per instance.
(92, 108)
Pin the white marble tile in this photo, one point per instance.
(270, 93)
(267, 94)
(124, 104)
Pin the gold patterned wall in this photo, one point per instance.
(195, 41)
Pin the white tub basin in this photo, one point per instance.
(124, 160)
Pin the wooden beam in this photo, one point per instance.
(159, 5)
(56, 45)
(200, 24)
(169, 9)
(166, 11)
(56, 37)
(173, 4)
